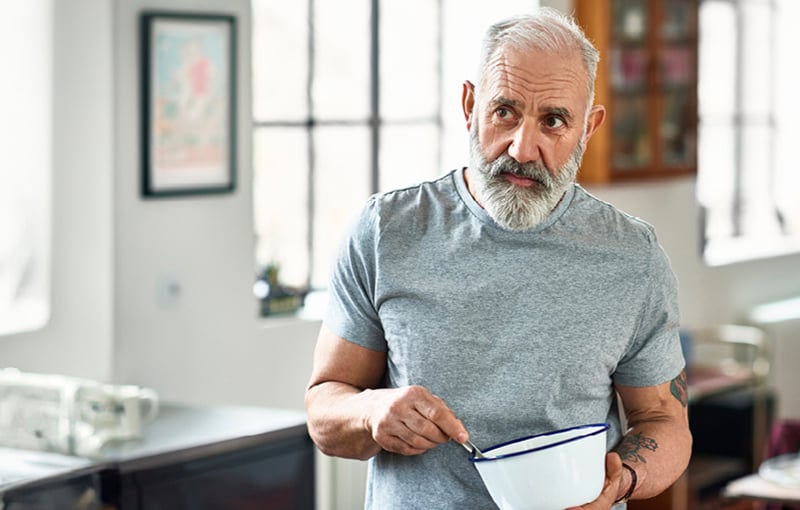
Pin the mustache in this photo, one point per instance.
(533, 170)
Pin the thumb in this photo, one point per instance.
(614, 472)
(613, 465)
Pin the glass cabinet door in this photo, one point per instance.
(629, 77)
(630, 19)
(630, 146)
(676, 83)
(651, 74)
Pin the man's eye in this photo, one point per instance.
(554, 122)
(503, 112)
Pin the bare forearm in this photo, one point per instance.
(658, 444)
(658, 451)
(351, 415)
(336, 420)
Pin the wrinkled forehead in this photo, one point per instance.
(536, 75)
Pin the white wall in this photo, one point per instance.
(208, 346)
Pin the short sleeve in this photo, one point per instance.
(351, 312)
(654, 355)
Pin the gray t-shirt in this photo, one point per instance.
(519, 332)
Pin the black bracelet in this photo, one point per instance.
(634, 479)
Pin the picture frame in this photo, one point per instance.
(188, 103)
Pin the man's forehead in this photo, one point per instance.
(519, 78)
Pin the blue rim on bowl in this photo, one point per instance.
(601, 427)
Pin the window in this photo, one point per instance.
(25, 152)
(347, 102)
(748, 181)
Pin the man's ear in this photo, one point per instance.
(596, 117)
(468, 102)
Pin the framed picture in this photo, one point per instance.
(188, 94)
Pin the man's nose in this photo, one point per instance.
(524, 145)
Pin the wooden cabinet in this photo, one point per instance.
(647, 79)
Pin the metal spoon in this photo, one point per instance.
(473, 449)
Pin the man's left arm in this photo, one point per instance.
(657, 445)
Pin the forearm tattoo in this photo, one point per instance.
(632, 444)
(679, 389)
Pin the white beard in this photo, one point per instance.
(515, 207)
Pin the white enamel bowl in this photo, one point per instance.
(549, 471)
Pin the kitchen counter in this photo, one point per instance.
(22, 468)
(184, 454)
(184, 432)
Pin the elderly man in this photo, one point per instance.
(503, 299)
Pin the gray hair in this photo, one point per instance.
(546, 29)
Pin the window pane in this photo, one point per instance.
(717, 75)
(787, 178)
(716, 177)
(341, 187)
(717, 60)
(409, 155)
(758, 212)
(280, 60)
(280, 188)
(409, 69)
(717, 163)
(341, 59)
(756, 75)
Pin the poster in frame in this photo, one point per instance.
(188, 103)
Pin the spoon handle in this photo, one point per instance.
(472, 449)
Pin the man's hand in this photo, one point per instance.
(411, 420)
(351, 415)
(610, 488)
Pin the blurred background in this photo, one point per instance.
(334, 101)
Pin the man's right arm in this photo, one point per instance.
(350, 415)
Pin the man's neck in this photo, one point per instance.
(470, 182)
